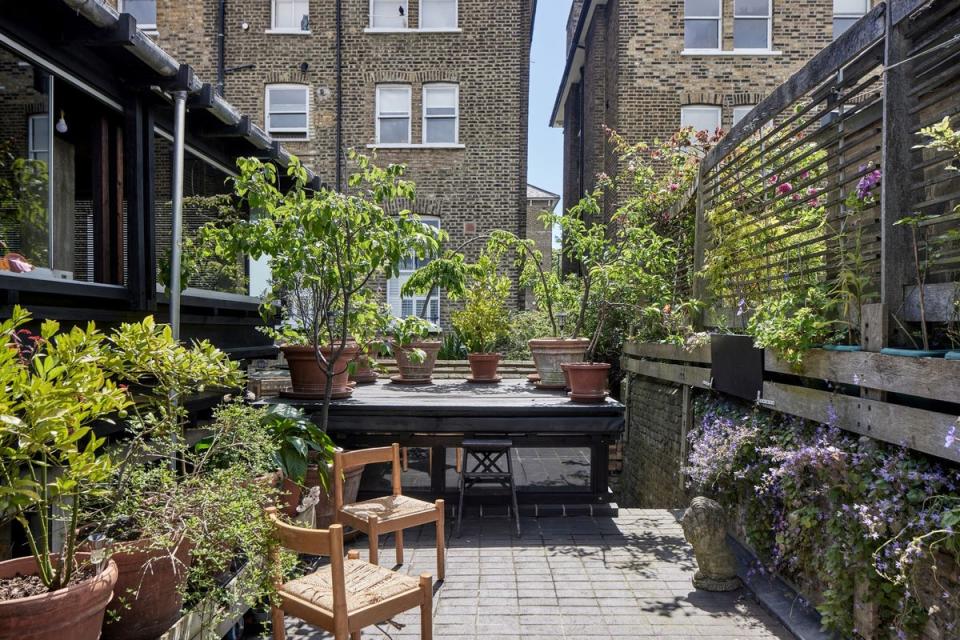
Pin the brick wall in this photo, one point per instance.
(651, 476)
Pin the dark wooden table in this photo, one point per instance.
(441, 415)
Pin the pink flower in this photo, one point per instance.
(784, 188)
(673, 186)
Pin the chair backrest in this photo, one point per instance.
(343, 460)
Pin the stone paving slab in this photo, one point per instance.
(628, 577)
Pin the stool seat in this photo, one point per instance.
(482, 464)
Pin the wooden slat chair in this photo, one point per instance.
(390, 514)
(346, 595)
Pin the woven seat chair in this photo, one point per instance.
(346, 595)
(390, 514)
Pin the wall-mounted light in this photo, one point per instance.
(61, 123)
(244, 25)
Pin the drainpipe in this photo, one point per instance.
(221, 46)
(339, 63)
(176, 235)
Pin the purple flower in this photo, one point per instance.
(951, 437)
(867, 184)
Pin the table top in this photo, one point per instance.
(457, 398)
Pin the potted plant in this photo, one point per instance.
(368, 325)
(51, 463)
(324, 248)
(483, 321)
(415, 354)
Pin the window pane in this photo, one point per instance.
(441, 130)
(394, 130)
(438, 14)
(145, 11)
(441, 98)
(750, 33)
(849, 6)
(701, 34)
(389, 14)
(701, 8)
(700, 118)
(406, 307)
(39, 134)
(752, 7)
(842, 24)
(393, 100)
(740, 112)
(288, 121)
(288, 100)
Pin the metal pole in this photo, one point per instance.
(51, 195)
(176, 234)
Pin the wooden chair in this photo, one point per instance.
(346, 595)
(390, 514)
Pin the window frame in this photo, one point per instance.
(406, 17)
(378, 117)
(847, 15)
(144, 26)
(273, 18)
(456, 18)
(768, 18)
(715, 108)
(719, 20)
(287, 131)
(31, 120)
(403, 274)
(456, 112)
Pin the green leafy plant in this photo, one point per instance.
(51, 462)
(407, 331)
(483, 321)
(295, 437)
(791, 324)
(452, 348)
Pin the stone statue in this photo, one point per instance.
(704, 527)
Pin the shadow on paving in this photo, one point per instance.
(628, 577)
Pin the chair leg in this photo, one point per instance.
(276, 620)
(441, 540)
(513, 490)
(374, 536)
(399, 536)
(355, 635)
(426, 608)
(459, 459)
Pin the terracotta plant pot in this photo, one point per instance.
(75, 612)
(588, 381)
(483, 367)
(550, 353)
(148, 595)
(416, 372)
(363, 372)
(324, 508)
(309, 380)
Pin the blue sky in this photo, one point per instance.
(547, 58)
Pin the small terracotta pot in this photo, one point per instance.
(363, 372)
(417, 372)
(588, 381)
(483, 366)
(309, 379)
(75, 612)
(549, 353)
(148, 593)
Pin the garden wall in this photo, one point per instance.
(654, 445)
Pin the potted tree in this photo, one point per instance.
(51, 463)
(324, 248)
(368, 325)
(416, 355)
(483, 321)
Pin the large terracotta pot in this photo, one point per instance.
(416, 372)
(324, 508)
(308, 379)
(75, 612)
(483, 367)
(549, 353)
(588, 381)
(148, 594)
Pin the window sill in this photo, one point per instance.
(415, 146)
(734, 52)
(288, 32)
(410, 30)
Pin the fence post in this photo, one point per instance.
(895, 198)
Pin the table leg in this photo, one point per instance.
(599, 469)
(438, 471)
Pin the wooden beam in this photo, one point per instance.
(667, 352)
(917, 429)
(698, 377)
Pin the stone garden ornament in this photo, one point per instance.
(705, 528)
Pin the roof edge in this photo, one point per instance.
(576, 48)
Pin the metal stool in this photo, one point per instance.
(482, 464)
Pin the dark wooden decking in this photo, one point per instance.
(441, 415)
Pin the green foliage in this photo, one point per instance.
(524, 326)
(483, 321)
(50, 460)
(791, 324)
(295, 437)
(411, 329)
(452, 348)
(23, 190)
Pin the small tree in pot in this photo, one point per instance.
(416, 356)
(483, 321)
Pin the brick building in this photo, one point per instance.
(648, 68)
(538, 201)
(439, 85)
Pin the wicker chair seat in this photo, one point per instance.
(388, 508)
(366, 584)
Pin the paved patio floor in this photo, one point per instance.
(628, 577)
